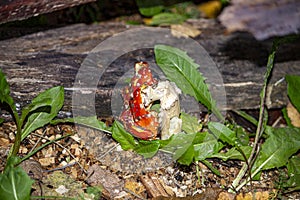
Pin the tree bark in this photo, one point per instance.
(36, 62)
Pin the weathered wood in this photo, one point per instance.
(263, 18)
(39, 61)
(23, 9)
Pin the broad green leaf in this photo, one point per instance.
(222, 132)
(40, 117)
(293, 167)
(125, 139)
(147, 148)
(35, 105)
(207, 149)
(15, 184)
(91, 122)
(149, 8)
(188, 156)
(179, 144)
(293, 89)
(234, 154)
(242, 136)
(5, 93)
(281, 144)
(151, 11)
(182, 70)
(190, 123)
(167, 19)
(1, 120)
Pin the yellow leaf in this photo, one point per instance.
(147, 21)
(184, 30)
(210, 9)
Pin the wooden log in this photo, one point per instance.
(41, 60)
(263, 18)
(19, 10)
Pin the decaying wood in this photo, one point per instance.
(23, 9)
(41, 60)
(155, 187)
(263, 18)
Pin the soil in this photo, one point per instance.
(76, 163)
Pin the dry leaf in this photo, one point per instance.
(293, 114)
(184, 30)
(4, 142)
(135, 187)
(225, 196)
(47, 161)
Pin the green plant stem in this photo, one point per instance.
(18, 136)
(218, 114)
(253, 174)
(42, 146)
(261, 121)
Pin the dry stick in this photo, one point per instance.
(64, 149)
(276, 121)
(109, 150)
(261, 121)
(37, 142)
(134, 194)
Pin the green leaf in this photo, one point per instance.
(293, 89)
(246, 116)
(182, 70)
(286, 117)
(179, 144)
(242, 136)
(188, 156)
(281, 144)
(5, 93)
(167, 19)
(15, 184)
(222, 132)
(41, 105)
(125, 139)
(149, 8)
(207, 149)
(91, 122)
(147, 148)
(189, 123)
(151, 11)
(1, 120)
(211, 167)
(234, 153)
(293, 167)
(95, 191)
(40, 117)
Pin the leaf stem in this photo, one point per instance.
(17, 143)
(261, 121)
